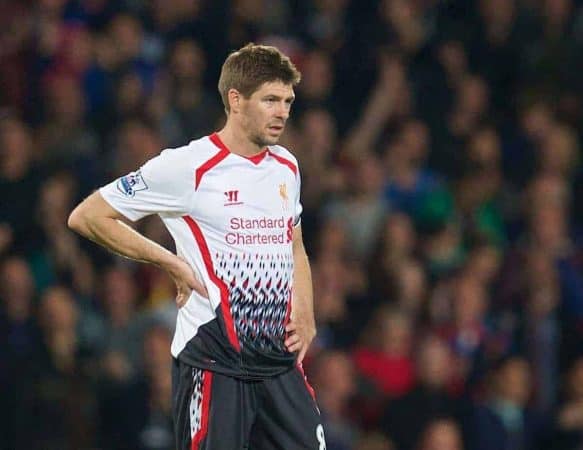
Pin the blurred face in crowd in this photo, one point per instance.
(52, 5)
(453, 59)
(434, 363)
(342, 384)
(512, 381)
(135, 145)
(318, 132)
(119, 294)
(332, 6)
(66, 101)
(558, 152)
(57, 198)
(127, 34)
(557, 11)
(442, 435)
(483, 263)
(575, 381)
(473, 95)
(317, 76)
(15, 148)
(412, 286)
(155, 347)
(484, 148)
(470, 302)
(374, 441)
(542, 284)
(332, 238)
(370, 178)
(537, 120)
(330, 277)
(414, 138)
(548, 226)
(188, 62)
(497, 11)
(58, 310)
(265, 113)
(17, 288)
(77, 48)
(548, 189)
(395, 333)
(399, 234)
(130, 94)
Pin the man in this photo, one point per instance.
(231, 202)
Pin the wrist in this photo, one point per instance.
(169, 262)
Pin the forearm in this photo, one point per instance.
(97, 221)
(120, 238)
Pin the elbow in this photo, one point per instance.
(77, 221)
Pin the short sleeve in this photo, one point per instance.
(298, 208)
(161, 186)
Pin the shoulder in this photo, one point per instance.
(192, 154)
(177, 166)
(284, 156)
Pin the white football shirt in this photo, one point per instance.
(232, 219)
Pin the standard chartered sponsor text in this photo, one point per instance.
(257, 231)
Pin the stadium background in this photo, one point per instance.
(440, 149)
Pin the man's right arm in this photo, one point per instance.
(97, 220)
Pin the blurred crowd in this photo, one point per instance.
(439, 143)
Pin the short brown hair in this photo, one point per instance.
(249, 67)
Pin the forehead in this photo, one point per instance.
(277, 88)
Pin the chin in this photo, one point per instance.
(270, 140)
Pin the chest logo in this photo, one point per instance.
(283, 195)
(232, 198)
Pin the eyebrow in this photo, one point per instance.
(279, 97)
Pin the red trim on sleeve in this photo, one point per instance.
(285, 162)
(207, 381)
(206, 256)
(209, 164)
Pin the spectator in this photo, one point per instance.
(335, 397)
(569, 420)
(384, 359)
(406, 417)
(504, 420)
(441, 434)
(19, 187)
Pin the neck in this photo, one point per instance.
(237, 140)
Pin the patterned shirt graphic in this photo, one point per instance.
(232, 218)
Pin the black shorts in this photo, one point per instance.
(217, 412)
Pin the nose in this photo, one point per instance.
(283, 110)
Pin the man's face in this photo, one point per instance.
(265, 113)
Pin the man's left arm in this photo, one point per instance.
(302, 326)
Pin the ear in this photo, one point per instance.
(234, 97)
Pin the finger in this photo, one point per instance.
(291, 327)
(295, 347)
(292, 342)
(181, 299)
(183, 295)
(199, 287)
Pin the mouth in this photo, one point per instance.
(276, 128)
